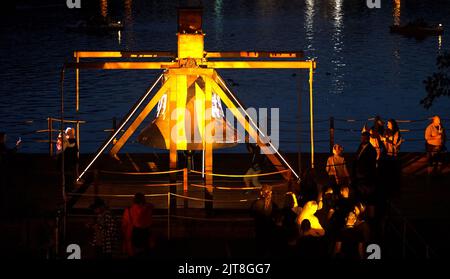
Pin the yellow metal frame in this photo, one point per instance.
(190, 62)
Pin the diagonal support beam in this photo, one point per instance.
(122, 125)
(249, 128)
(144, 113)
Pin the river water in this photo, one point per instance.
(362, 69)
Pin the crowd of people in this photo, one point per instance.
(134, 231)
(340, 218)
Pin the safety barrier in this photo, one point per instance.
(143, 173)
(332, 129)
(241, 175)
(186, 184)
(320, 132)
(169, 195)
(236, 188)
(407, 230)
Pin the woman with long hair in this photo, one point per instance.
(392, 140)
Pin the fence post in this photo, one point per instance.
(185, 186)
(50, 135)
(114, 124)
(114, 128)
(331, 134)
(168, 215)
(78, 138)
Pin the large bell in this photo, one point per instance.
(189, 120)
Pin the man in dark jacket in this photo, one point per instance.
(366, 159)
(364, 168)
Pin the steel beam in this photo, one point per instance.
(124, 54)
(147, 109)
(123, 65)
(260, 64)
(254, 54)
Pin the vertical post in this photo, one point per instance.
(50, 135)
(246, 128)
(311, 111)
(114, 128)
(77, 85)
(299, 125)
(331, 134)
(208, 139)
(180, 85)
(63, 175)
(185, 186)
(427, 252)
(78, 136)
(114, 124)
(168, 215)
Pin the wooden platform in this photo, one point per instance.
(117, 187)
(32, 193)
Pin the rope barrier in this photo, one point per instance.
(214, 220)
(225, 188)
(349, 120)
(302, 141)
(230, 181)
(148, 185)
(141, 173)
(398, 121)
(158, 195)
(209, 200)
(114, 195)
(68, 120)
(235, 188)
(100, 120)
(302, 121)
(241, 175)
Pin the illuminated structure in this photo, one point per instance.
(191, 75)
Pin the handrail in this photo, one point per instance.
(235, 188)
(142, 173)
(322, 132)
(241, 175)
(407, 224)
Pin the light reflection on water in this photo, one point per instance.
(338, 75)
(104, 8)
(396, 12)
(309, 21)
(363, 70)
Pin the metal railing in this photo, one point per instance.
(325, 134)
(405, 231)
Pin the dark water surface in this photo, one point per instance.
(363, 70)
